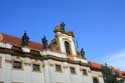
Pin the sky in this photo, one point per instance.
(99, 25)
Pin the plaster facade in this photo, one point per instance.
(73, 69)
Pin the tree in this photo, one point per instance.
(109, 75)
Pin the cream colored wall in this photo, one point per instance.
(48, 73)
(65, 76)
(97, 75)
(25, 75)
(1, 69)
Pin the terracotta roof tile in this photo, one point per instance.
(95, 65)
(99, 66)
(17, 41)
(120, 73)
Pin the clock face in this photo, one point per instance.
(1, 37)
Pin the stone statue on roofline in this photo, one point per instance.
(25, 39)
(62, 25)
(82, 52)
(60, 28)
(45, 42)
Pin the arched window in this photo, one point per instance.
(95, 80)
(67, 48)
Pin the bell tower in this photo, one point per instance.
(65, 40)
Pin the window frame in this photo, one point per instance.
(84, 72)
(72, 70)
(21, 64)
(58, 68)
(36, 70)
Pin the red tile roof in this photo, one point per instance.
(99, 66)
(120, 73)
(95, 65)
(17, 41)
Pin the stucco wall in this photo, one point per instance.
(65, 76)
(24, 75)
(48, 74)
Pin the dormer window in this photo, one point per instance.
(67, 48)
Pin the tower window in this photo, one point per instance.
(67, 47)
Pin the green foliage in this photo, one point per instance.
(109, 75)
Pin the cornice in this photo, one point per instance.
(16, 51)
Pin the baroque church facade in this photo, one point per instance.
(24, 61)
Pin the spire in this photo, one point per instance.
(45, 42)
(25, 39)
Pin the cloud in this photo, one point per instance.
(116, 60)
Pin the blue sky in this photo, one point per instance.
(99, 25)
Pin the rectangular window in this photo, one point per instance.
(17, 64)
(36, 67)
(84, 72)
(58, 68)
(72, 70)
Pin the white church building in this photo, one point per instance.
(24, 61)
